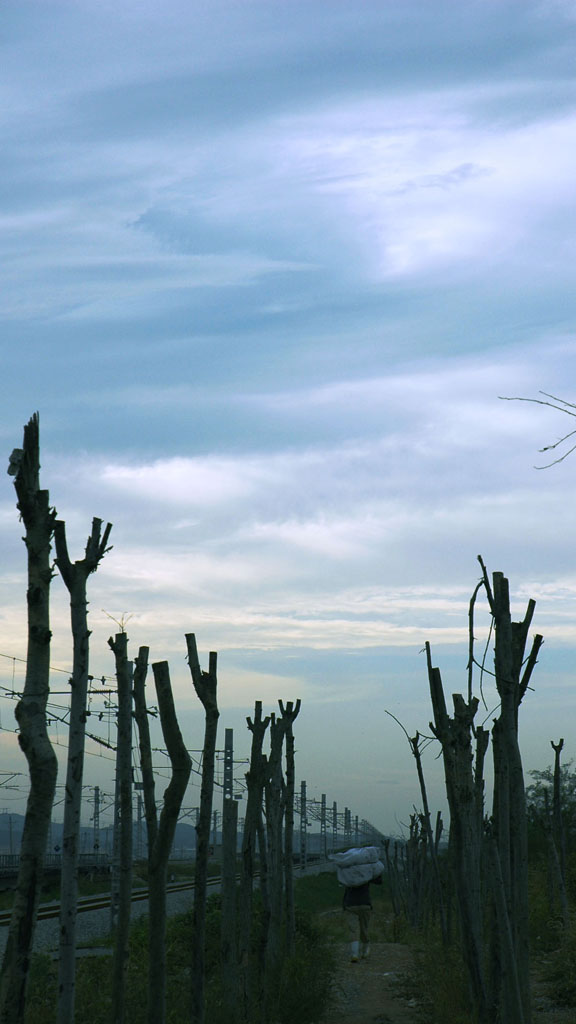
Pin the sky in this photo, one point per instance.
(269, 267)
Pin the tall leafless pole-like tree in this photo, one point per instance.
(455, 736)
(513, 671)
(38, 519)
(160, 833)
(289, 714)
(75, 575)
(255, 779)
(205, 684)
(274, 803)
(119, 646)
(416, 744)
(504, 993)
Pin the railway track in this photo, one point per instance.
(86, 904)
(48, 911)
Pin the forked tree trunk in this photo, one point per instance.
(205, 684)
(255, 779)
(119, 645)
(289, 714)
(75, 577)
(38, 518)
(465, 829)
(274, 797)
(160, 834)
(513, 672)
(558, 834)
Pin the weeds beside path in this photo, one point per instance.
(373, 991)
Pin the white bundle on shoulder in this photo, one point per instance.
(358, 865)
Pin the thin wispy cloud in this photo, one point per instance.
(266, 270)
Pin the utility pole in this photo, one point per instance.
(96, 841)
(228, 788)
(347, 825)
(303, 823)
(323, 826)
(115, 888)
(334, 826)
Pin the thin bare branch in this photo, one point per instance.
(561, 459)
(471, 637)
(560, 405)
(398, 722)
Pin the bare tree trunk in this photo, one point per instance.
(119, 645)
(462, 792)
(393, 881)
(159, 849)
(511, 1008)
(558, 833)
(38, 518)
(289, 713)
(415, 745)
(141, 717)
(205, 684)
(229, 960)
(255, 779)
(512, 678)
(75, 577)
(274, 794)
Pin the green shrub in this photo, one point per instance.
(444, 988)
(561, 973)
(306, 975)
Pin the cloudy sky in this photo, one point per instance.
(267, 267)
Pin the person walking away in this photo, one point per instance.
(357, 906)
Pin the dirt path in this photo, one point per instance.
(374, 991)
(378, 990)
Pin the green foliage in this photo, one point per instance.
(561, 972)
(302, 986)
(444, 990)
(306, 975)
(316, 893)
(545, 925)
(539, 803)
(42, 990)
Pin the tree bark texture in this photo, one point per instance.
(75, 576)
(454, 735)
(512, 674)
(38, 518)
(253, 828)
(141, 717)
(274, 802)
(160, 833)
(229, 962)
(205, 684)
(289, 714)
(119, 645)
(558, 832)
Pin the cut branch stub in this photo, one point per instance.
(258, 725)
(290, 711)
(530, 665)
(96, 548)
(205, 683)
(141, 716)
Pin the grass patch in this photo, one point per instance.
(560, 976)
(303, 985)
